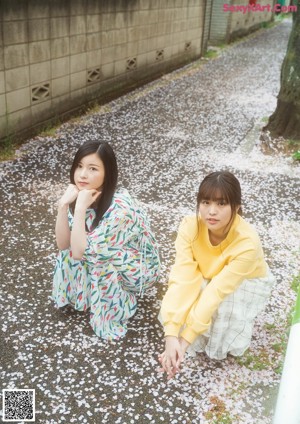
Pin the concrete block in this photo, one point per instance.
(94, 90)
(38, 9)
(2, 82)
(14, 10)
(77, 44)
(132, 34)
(132, 49)
(153, 30)
(176, 48)
(162, 15)
(16, 55)
(18, 99)
(108, 38)
(108, 21)
(78, 80)
(144, 32)
(40, 72)
(60, 47)
(152, 44)
(108, 55)
(39, 51)
(108, 70)
(60, 67)
(153, 16)
(3, 126)
(121, 20)
(38, 29)
(78, 97)
(17, 78)
(120, 36)
(93, 58)
(142, 46)
(59, 27)
(168, 52)
(1, 58)
(121, 52)
(94, 7)
(120, 67)
(15, 32)
(143, 18)
(62, 103)
(93, 23)
(60, 8)
(161, 42)
(60, 86)
(42, 111)
(2, 105)
(142, 59)
(78, 7)
(93, 41)
(77, 25)
(19, 120)
(144, 4)
(78, 62)
(151, 57)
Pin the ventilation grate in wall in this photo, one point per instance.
(160, 55)
(41, 92)
(131, 64)
(94, 75)
(188, 46)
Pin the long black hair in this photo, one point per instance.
(108, 158)
(221, 184)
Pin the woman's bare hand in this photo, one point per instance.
(172, 357)
(86, 198)
(69, 196)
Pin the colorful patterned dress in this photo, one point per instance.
(121, 261)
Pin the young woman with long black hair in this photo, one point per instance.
(107, 252)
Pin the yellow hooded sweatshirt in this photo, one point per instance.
(225, 266)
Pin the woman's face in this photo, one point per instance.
(217, 215)
(89, 173)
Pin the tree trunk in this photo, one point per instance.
(285, 121)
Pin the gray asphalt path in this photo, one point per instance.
(167, 136)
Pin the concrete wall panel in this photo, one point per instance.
(56, 55)
(38, 29)
(39, 51)
(40, 72)
(15, 32)
(17, 78)
(16, 55)
(19, 99)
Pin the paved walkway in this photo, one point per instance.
(167, 136)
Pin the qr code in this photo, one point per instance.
(18, 405)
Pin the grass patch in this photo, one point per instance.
(8, 148)
(211, 54)
(265, 119)
(218, 413)
(255, 362)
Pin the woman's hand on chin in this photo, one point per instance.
(69, 196)
(86, 198)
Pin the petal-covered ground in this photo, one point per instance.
(167, 136)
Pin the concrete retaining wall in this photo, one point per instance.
(226, 26)
(56, 55)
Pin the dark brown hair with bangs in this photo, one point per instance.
(221, 185)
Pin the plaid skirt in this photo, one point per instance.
(232, 324)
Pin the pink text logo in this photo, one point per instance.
(256, 7)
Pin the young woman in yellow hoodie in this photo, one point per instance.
(219, 281)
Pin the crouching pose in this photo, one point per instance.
(107, 252)
(220, 280)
